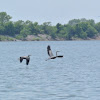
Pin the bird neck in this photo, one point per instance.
(56, 53)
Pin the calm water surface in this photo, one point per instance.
(74, 77)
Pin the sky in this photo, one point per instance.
(54, 11)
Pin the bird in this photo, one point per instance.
(25, 57)
(49, 51)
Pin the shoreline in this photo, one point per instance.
(43, 37)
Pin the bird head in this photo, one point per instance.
(48, 48)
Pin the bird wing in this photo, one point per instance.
(21, 59)
(53, 57)
(49, 51)
(27, 61)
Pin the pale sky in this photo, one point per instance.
(54, 11)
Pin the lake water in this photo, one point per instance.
(76, 76)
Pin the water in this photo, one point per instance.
(76, 76)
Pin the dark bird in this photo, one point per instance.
(49, 51)
(25, 57)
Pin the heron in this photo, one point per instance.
(25, 57)
(49, 51)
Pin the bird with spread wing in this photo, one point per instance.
(25, 57)
(49, 51)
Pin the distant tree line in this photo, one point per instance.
(76, 28)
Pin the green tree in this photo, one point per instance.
(24, 32)
(91, 22)
(97, 27)
(91, 31)
(83, 35)
(84, 26)
(78, 30)
(83, 20)
(53, 30)
(9, 29)
(35, 29)
(71, 33)
(18, 26)
(2, 30)
(59, 27)
(46, 27)
(4, 18)
(74, 22)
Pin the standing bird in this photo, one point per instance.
(25, 57)
(49, 51)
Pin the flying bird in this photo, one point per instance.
(49, 51)
(25, 57)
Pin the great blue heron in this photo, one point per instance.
(25, 57)
(49, 51)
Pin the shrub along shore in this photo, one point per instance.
(75, 29)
